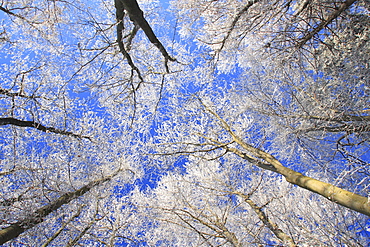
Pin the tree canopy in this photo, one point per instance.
(185, 123)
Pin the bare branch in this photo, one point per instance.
(39, 126)
(137, 16)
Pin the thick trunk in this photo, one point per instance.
(267, 161)
(329, 191)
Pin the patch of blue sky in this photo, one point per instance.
(361, 230)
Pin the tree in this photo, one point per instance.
(207, 105)
(38, 216)
(209, 206)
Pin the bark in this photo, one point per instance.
(14, 230)
(329, 191)
(137, 15)
(7, 11)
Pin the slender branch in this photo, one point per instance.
(82, 233)
(193, 227)
(124, 52)
(350, 128)
(19, 94)
(62, 227)
(39, 126)
(236, 19)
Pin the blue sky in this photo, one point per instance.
(43, 144)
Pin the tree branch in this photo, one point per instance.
(326, 22)
(14, 230)
(33, 124)
(8, 11)
(268, 222)
(236, 19)
(137, 16)
(63, 227)
(333, 193)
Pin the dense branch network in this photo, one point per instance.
(235, 21)
(268, 222)
(267, 161)
(325, 22)
(14, 230)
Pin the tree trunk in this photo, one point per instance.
(14, 230)
(267, 161)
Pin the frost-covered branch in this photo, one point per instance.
(235, 21)
(325, 22)
(57, 233)
(14, 230)
(329, 191)
(268, 222)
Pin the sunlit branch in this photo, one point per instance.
(6, 173)
(329, 191)
(39, 126)
(189, 152)
(268, 222)
(201, 234)
(217, 227)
